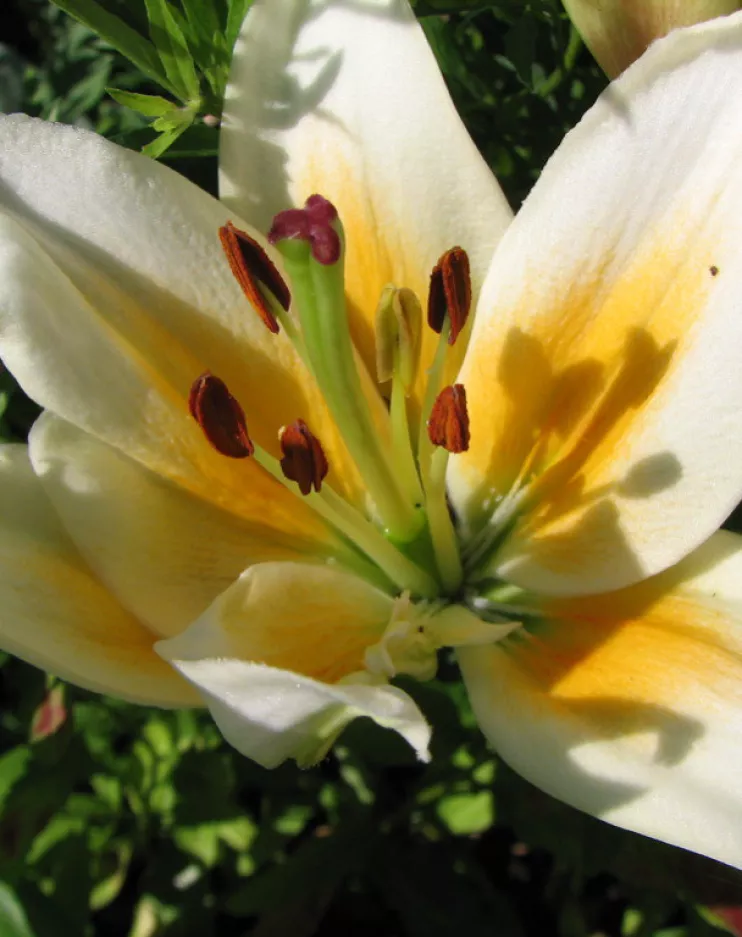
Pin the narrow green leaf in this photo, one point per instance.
(157, 147)
(151, 105)
(173, 49)
(122, 37)
(13, 920)
(237, 12)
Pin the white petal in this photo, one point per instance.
(629, 705)
(90, 369)
(271, 715)
(347, 100)
(279, 658)
(139, 247)
(165, 554)
(56, 615)
(604, 357)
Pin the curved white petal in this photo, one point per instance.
(629, 705)
(347, 100)
(165, 554)
(55, 614)
(271, 715)
(603, 366)
(71, 358)
(279, 658)
(139, 247)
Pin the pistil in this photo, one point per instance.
(311, 243)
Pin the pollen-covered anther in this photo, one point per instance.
(450, 293)
(255, 272)
(448, 425)
(317, 223)
(220, 416)
(304, 460)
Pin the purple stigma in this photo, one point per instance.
(313, 223)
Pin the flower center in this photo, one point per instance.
(405, 528)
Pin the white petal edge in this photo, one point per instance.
(271, 715)
(56, 615)
(675, 773)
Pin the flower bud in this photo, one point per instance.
(618, 31)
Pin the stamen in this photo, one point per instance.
(450, 293)
(314, 223)
(398, 336)
(304, 460)
(398, 341)
(220, 417)
(255, 272)
(448, 425)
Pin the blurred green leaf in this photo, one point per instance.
(13, 920)
(467, 813)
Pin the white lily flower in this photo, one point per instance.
(258, 517)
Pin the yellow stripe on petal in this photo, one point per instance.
(618, 31)
(313, 620)
(367, 123)
(602, 380)
(629, 705)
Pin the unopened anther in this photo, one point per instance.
(398, 336)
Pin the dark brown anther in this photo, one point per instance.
(254, 271)
(450, 292)
(448, 425)
(304, 460)
(220, 417)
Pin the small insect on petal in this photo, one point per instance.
(450, 292)
(220, 417)
(254, 271)
(304, 460)
(448, 425)
(316, 223)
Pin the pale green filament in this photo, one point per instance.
(319, 295)
(402, 571)
(432, 389)
(402, 455)
(442, 532)
(433, 463)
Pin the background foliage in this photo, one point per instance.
(117, 821)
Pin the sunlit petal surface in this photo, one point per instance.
(629, 704)
(602, 373)
(348, 101)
